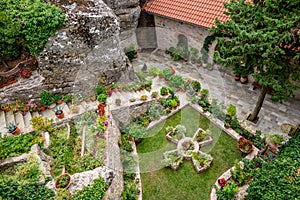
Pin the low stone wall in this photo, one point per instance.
(43, 160)
(124, 114)
(80, 180)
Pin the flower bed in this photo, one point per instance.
(187, 146)
(173, 159)
(202, 138)
(175, 134)
(201, 161)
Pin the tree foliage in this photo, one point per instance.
(262, 39)
(280, 178)
(27, 25)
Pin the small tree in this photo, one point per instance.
(262, 39)
(26, 25)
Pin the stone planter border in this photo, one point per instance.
(173, 167)
(201, 169)
(207, 141)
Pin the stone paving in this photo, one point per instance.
(222, 86)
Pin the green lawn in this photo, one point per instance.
(163, 183)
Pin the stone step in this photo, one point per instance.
(48, 114)
(9, 118)
(66, 109)
(93, 105)
(3, 129)
(20, 121)
(84, 106)
(33, 114)
(27, 119)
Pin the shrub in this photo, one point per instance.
(176, 81)
(137, 131)
(46, 98)
(17, 145)
(40, 123)
(102, 98)
(279, 178)
(167, 73)
(231, 110)
(153, 71)
(228, 192)
(196, 85)
(163, 91)
(92, 192)
(131, 190)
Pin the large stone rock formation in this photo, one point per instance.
(84, 53)
(128, 12)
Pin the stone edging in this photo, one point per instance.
(138, 173)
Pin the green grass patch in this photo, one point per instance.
(163, 183)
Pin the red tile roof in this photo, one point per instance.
(199, 12)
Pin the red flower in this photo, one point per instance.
(25, 73)
(222, 182)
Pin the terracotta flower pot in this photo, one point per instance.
(57, 182)
(43, 108)
(237, 78)
(60, 115)
(6, 109)
(15, 132)
(59, 102)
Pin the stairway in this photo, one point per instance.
(23, 121)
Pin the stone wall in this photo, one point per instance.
(128, 12)
(126, 113)
(82, 54)
(167, 31)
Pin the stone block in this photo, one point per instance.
(20, 121)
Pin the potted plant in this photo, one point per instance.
(5, 107)
(154, 95)
(63, 181)
(46, 98)
(237, 76)
(58, 99)
(245, 146)
(67, 98)
(59, 112)
(13, 129)
(25, 73)
(163, 91)
(274, 140)
(144, 97)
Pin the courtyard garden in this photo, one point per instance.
(164, 183)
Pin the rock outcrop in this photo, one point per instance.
(84, 53)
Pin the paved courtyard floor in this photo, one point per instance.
(222, 86)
